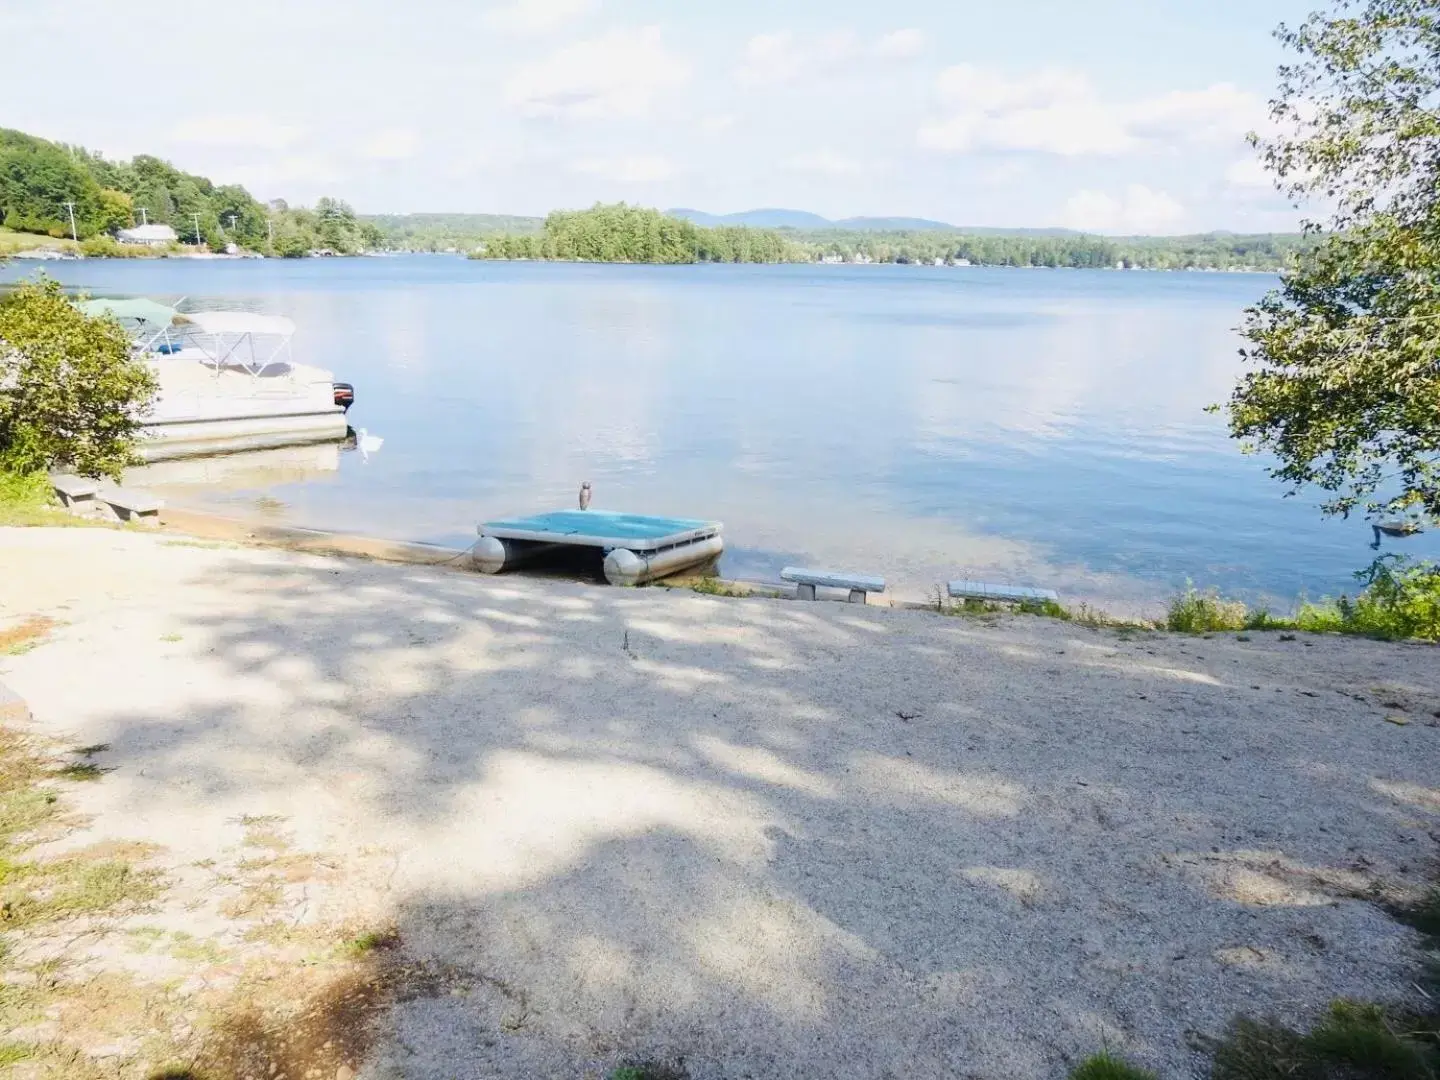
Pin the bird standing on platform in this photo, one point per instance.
(585, 495)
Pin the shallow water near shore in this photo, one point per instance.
(1039, 427)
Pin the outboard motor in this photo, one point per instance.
(344, 395)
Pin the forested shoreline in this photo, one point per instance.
(631, 234)
(82, 202)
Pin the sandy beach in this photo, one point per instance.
(761, 837)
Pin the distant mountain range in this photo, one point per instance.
(804, 220)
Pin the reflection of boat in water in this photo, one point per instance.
(242, 471)
(228, 382)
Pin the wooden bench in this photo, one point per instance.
(132, 504)
(859, 585)
(76, 493)
(1012, 594)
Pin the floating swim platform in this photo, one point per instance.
(638, 547)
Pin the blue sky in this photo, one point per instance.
(1096, 114)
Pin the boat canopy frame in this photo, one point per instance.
(250, 341)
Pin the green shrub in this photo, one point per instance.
(1400, 600)
(71, 391)
(1106, 1066)
(1195, 612)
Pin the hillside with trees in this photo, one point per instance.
(41, 182)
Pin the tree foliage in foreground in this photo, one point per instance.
(1343, 385)
(71, 391)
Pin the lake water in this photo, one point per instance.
(1042, 427)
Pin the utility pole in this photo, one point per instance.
(232, 222)
(74, 233)
(270, 228)
(143, 219)
(198, 240)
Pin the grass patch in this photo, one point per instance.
(254, 899)
(80, 770)
(46, 890)
(29, 500)
(372, 940)
(13, 242)
(26, 634)
(1196, 612)
(52, 889)
(1106, 1066)
(12, 1053)
(713, 586)
(650, 1070)
(1081, 614)
(1354, 1041)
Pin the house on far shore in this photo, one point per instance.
(150, 235)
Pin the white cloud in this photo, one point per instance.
(826, 163)
(1053, 111)
(245, 130)
(391, 144)
(780, 58)
(638, 169)
(1060, 112)
(1006, 172)
(1138, 209)
(718, 123)
(1219, 113)
(617, 75)
(282, 177)
(537, 16)
(1249, 173)
(900, 45)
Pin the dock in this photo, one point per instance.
(637, 547)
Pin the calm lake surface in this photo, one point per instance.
(1041, 427)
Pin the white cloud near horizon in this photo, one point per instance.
(239, 130)
(529, 17)
(617, 75)
(1138, 209)
(391, 144)
(633, 169)
(1058, 111)
(825, 163)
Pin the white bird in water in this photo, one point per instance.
(585, 495)
(367, 444)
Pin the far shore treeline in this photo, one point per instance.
(621, 233)
(42, 181)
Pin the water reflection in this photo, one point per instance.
(1038, 426)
